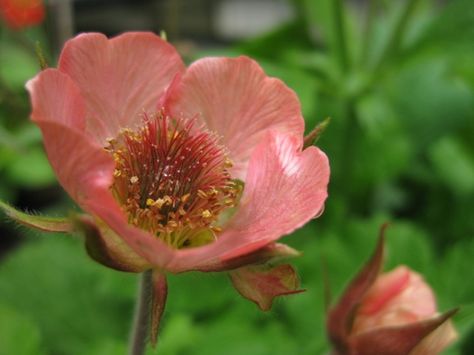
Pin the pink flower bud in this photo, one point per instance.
(400, 298)
(392, 313)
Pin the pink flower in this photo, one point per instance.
(392, 313)
(178, 169)
(22, 13)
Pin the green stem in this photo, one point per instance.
(141, 320)
(393, 44)
(340, 35)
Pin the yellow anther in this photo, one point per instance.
(212, 191)
(134, 179)
(172, 224)
(228, 163)
(206, 214)
(159, 202)
(167, 200)
(216, 229)
(185, 198)
(150, 202)
(229, 202)
(202, 194)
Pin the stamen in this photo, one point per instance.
(172, 179)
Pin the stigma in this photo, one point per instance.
(172, 179)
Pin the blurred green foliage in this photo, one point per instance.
(397, 79)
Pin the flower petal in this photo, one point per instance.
(261, 284)
(119, 78)
(83, 167)
(58, 109)
(237, 100)
(396, 298)
(284, 189)
(143, 243)
(56, 98)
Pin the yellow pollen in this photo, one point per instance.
(202, 194)
(206, 214)
(172, 180)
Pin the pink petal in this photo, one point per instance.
(58, 109)
(143, 243)
(261, 284)
(82, 166)
(386, 288)
(119, 78)
(56, 98)
(398, 297)
(284, 189)
(237, 100)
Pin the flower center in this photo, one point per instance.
(171, 177)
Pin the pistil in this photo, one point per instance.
(172, 179)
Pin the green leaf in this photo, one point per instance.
(75, 302)
(171, 340)
(31, 169)
(19, 335)
(17, 65)
(453, 165)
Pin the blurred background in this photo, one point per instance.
(397, 80)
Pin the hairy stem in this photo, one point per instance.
(141, 320)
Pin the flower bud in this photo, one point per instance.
(393, 313)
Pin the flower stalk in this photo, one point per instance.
(141, 320)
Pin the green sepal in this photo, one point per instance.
(105, 247)
(158, 302)
(46, 224)
(312, 137)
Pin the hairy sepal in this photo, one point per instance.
(45, 224)
(106, 247)
(262, 283)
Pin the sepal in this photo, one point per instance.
(312, 137)
(340, 317)
(158, 302)
(397, 340)
(106, 247)
(262, 283)
(273, 252)
(45, 224)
